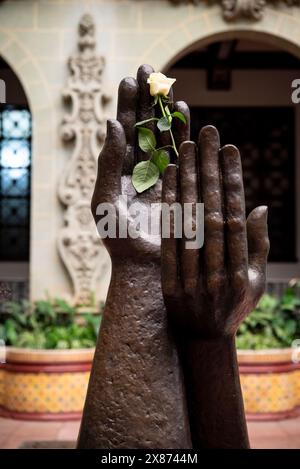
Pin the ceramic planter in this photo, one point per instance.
(270, 383)
(51, 384)
(44, 384)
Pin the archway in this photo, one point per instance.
(26, 67)
(203, 26)
(244, 87)
(15, 183)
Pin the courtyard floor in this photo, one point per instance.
(13, 433)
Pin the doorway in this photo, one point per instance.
(244, 88)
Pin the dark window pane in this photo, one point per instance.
(16, 124)
(15, 154)
(14, 244)
(15, 160)
(14, 182)
(13, 212)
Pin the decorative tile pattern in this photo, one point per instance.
(54, 393)
(43, 392)
(271, 392)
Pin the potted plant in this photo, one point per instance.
(269, 369)
(50, 348)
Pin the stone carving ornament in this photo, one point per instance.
(78, 242)
(236, 9)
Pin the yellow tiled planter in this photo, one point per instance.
(44, 384)
(51, 384)
(270, 383)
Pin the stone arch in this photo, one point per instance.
(34, 83)
(23, 63)
(278, 27)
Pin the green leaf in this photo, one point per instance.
(179, 116)
(145, 175)
(146, 121)
(147, 140)
(62, 345)
(161, 159)
(164, 124)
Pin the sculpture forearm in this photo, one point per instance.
(214, 394)
(136, 395)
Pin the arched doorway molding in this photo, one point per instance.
(278, 28)
(26, 67)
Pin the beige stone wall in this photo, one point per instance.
(36, 39)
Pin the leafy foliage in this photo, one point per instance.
(147, 140)
(48, 324)
(161, 159)
(146, 173)
(274, 323)
(164, 124)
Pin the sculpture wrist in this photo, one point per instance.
(135, 350)
(214, 394)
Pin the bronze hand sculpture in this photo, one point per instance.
(153, 345)
(209, 292)
(136, 396)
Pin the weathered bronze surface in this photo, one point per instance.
(156, 341)
(208, 292)
(135, 397)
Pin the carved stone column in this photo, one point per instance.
(78, 242)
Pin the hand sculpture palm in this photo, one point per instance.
(136, 396)
(210, 291)
(118, 157)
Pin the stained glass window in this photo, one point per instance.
(15, 161)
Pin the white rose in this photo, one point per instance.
(160, 84)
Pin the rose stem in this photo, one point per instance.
(171, 133)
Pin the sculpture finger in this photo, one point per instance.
(189, 198)
(209, 145)
(110, 163)
(235, 219)
(258, 240)
(169, 272)
(181, 130)
(126, 115)
(145, 108)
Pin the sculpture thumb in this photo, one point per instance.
(258, 240)
(110, 163)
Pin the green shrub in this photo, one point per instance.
(54, 324)
(48, 324)
(274, 323)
